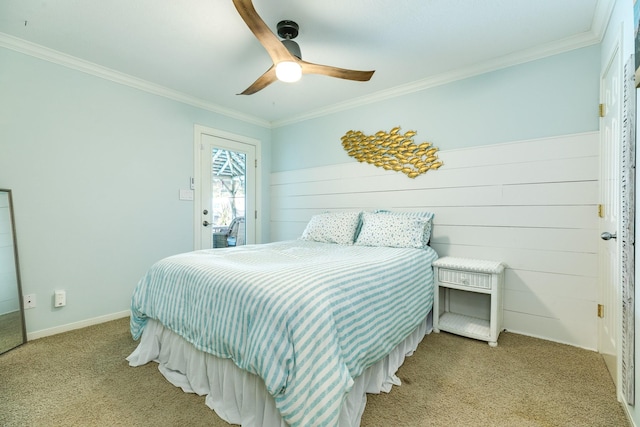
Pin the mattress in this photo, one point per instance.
(305, 317)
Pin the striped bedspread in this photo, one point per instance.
(306, 317)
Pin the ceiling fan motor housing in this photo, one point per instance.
(288, 29)
(293, 48)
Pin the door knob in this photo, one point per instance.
(607, 236)
(206, 223)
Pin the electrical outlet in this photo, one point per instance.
(29, 301)
(59, 299)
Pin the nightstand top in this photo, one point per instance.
(467, 264)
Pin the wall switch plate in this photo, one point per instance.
(59, 298)
(29, 301)
(186, 194)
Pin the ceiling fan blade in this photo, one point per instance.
(274, 47)
(263, 81)
(341, 73)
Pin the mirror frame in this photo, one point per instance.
(17, 266)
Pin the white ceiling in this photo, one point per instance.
(201, 52)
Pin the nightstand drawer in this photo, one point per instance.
(465, 278)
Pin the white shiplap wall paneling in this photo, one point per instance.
(531, 204)
(560, 170)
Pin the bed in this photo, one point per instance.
(291, 333)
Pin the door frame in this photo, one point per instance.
(198, 132)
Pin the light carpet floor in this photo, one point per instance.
(81, 378)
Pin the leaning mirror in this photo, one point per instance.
(12, 327)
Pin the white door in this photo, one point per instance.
(225, 189)
(610, 276)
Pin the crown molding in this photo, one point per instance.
(565, 45)
(601, 17)
(599, 24)
(604, 8)
(56, 57)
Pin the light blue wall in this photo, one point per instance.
(551, 96)
(95, 168)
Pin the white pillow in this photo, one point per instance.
(396, 231)
(428, 216)
(332, 227)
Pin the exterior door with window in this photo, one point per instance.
(225, 192)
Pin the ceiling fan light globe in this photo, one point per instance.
(288, 71)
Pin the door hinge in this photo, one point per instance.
(602, 110)
(255, 214)
(601, 211)
(600, 310)
(256, 163)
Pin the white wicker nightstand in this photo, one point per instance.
(468, 298)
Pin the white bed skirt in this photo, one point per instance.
(245, 400)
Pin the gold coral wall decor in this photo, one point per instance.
(392, 151)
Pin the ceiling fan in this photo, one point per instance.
(285, 54)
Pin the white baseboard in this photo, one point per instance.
(77, 325)
(546, 338)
